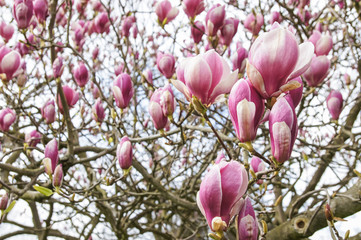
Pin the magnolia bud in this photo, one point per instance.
(58, 176)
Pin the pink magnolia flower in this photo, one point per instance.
(246, 108)
(95, 53)
(51, 152)
(58, 67)
(98, 113)
(257, 165)
(239, 59)
(41, 9)
(193, 7)
(10, 63)
(165, 64)
(221, 191)
(323, 42)
(274, 58)
(48, 111)
(247, 222)
(254, 23)
(128, 22)
(165, 12)
(283, 128)
(81, 75)
(296, 94)
(125, 153)
(71, 97)
(102, 23)
(334, 104)
(276, 17)
(123, 90)
(6, 31)
(148, 76)
(318, 71)
(228, 30)
(161, 105)
(7, 118)
(205, 76)
(58, 176)
(215, 19)
(23, 12)
(33, 138)
(197, 31)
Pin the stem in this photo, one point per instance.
(218, 137)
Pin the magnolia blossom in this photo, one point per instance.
(98, 111)
(323, 42)
(71, 97)
(228, 30)
(33, 138)
(41, 9)
(51, 152)
(334, 104)
(254, 23)
(165, 12)
(239, 59)
(274, 58)
(7, 118)
(10, 63)
(205, 76)
(165, 64)
(220, 194)
(6, 31)
(48, 111)
(58, 176)
(246, 108)
(125, 153)
(283, 128)
(58, 67)
(247, 222)
(197, 31)
(81, 75)
(193, 7)
(123, 90)
(162, 105)
(215, 19)
(22, 12)
(318, 71)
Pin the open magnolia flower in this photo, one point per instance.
(220, 194)
(205, 76)
(275, 57)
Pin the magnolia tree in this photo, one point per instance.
(191, 119)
